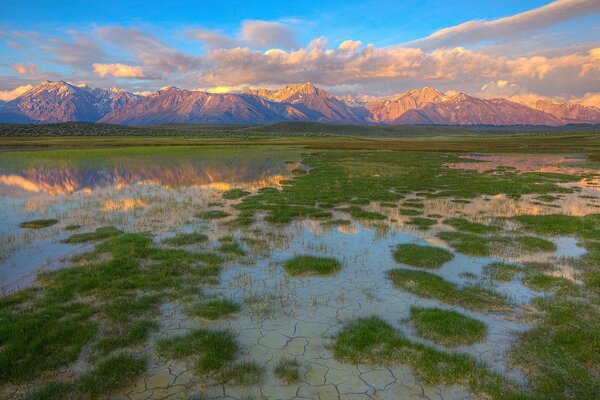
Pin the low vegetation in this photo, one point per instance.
(38, 223)
(97, 235)
(421, 256)
(288, 370)
(445, 327)
(312, 265)
(372, 340)
(184, 239)
(428, 285)
(212, 349)
(213, 309)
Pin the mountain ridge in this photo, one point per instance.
(52, 102)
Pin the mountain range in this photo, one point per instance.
(51, 102)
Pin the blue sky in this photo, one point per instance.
(143, 45)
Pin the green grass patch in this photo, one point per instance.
(428, 285)
(244, 373)
(587, 227)
(466, 243)
(561, 353)
(500, 271)
(336, 222)
(422, 222)
(311, 265)
(373, 341)
(359, 213)
(535, 244)
(213, 214)
(128, 335)
(184, 239)
(232, 247)
(109, 375)
(235, 194)
(214, 349)
(410, 211)
(213, 309)
(421, 256)
(38, 223)
(99, 234)
(288, 370)
(42, 337)
(445, 327)
(464, 225)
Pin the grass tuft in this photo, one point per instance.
(421, 256)
(38, 223)
(214, 309)
(288, 370)
(308, 265)
(445, 327)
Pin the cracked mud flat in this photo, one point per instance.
(284, 316)
(306, 312)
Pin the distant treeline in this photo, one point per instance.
(282, 129)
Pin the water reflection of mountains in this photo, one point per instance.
(174, 174)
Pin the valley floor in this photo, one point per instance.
(300, 267)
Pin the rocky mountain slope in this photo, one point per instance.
(61, 101)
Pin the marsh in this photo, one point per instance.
(224, 272)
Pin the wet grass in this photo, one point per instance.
(447, 327)
(110, 374)
(409, 211)
(212, 214)
(288, 370)
(373, 341)
(213, 309)
(428, 285)
(312, 265)
(587, 227)
(45, 329)
(422, 222)
(561, 352)
(466, 243)
(535, 244)
(421, 256)
(99, 234)
(464, 225)
(38, 223)
(213, 349)
(244, 373)
(359, 213)
(235, 194)
(42, 337)
(231, 246)
(72, 227)
(185, 239)
(501, 272)
(336, 222)
(128, 335)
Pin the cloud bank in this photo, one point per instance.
(268, 53)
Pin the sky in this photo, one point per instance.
(521, 49)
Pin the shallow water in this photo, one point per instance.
(292, 317)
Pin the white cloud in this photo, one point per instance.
(268, 33)
(120, 71)
(528, 21)
(25, 69)
(213, 39)
(590, 99)
(8, 95)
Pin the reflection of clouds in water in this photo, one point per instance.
(123, 204)
(251, 174)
